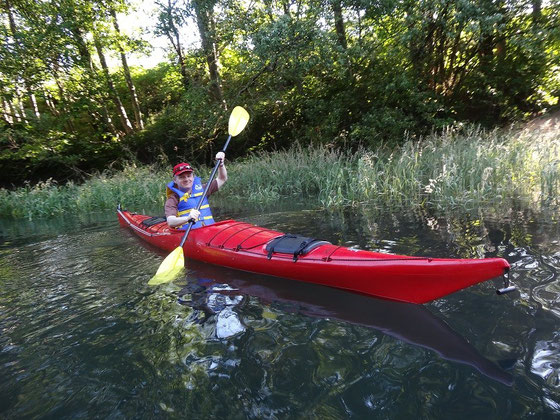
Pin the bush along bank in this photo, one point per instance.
(469, 167)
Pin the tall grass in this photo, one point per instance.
(138, 187)
(468, 167)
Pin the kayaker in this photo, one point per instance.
(184, 192)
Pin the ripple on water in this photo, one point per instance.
(546, 361)
(82, 335)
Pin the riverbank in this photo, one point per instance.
(465, 167)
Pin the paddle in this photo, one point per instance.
(173, 264)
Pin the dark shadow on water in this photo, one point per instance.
(411, 323)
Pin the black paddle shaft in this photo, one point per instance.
(212, 175)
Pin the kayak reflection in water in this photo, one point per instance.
(214, 300)
(184, 192)
(217, 290)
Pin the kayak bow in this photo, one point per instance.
(247, 247)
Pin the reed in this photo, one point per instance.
(465, 167)
(139, 187)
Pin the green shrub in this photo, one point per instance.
(460, 167)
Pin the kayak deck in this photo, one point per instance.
(242, 246)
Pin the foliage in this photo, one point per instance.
(138, 187)
(460, 167)
(344, 73)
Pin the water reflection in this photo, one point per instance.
(546, 361)
(214, 299)
(217, 291)
(82, 335)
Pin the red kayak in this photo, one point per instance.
(247, 247)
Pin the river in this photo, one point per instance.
(83, 336)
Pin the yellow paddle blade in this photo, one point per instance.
(170, 268)
(238, 120)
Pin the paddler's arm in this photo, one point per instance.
(171, 212)
(175, 221)
(222, 171)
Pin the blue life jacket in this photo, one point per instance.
(189, 201)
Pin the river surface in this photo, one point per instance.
(83, 336)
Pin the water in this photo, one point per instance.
(82, 335)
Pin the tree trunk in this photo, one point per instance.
(537, 12)
(339, 24)
(128, 78)
(11, 20)
(169, 29)
(85, 55)
(21, 110)
(175, 40)
(112, 90)
(7, 112)
(205, 21)
(51, 104)
(33, 101)
(19, 48)
(87, 62)
(108, 120)
(64, 100)
(13, 111)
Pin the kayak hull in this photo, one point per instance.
(242, 246)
